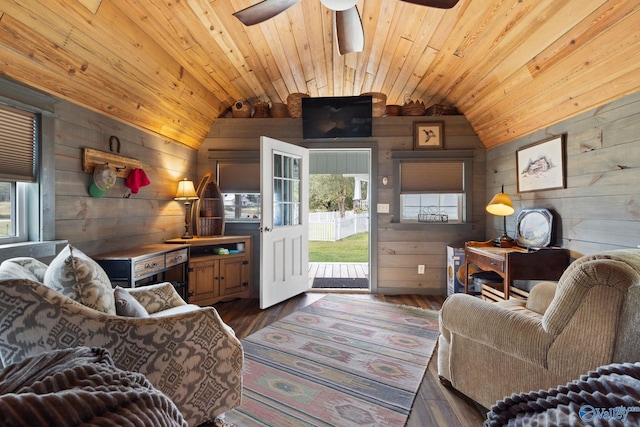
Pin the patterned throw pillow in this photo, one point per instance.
(75, 275)
(23, 268)
(127, 305)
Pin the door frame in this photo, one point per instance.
(372, 146)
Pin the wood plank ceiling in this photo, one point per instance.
(173, 66)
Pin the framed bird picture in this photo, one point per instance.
(428, 135)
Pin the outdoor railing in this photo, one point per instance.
(329, 227)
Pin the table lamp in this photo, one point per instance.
(501, 205)
(186, 192)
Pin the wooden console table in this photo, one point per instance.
(142, 265)
(515, 263)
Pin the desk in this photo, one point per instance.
(129, 266)
(516, 263)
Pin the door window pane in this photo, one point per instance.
(286, 190)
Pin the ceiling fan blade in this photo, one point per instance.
(264, 10)
(440, 4)
(349, 31)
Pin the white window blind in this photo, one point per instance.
(431, 177)
(17, 144)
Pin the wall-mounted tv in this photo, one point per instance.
(336, 117)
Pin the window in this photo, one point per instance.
(432, 188)
(19, 136)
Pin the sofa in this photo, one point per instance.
(185, 351)
(589, 318)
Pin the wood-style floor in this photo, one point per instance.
(435, 405)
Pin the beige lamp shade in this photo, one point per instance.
(501, 205)
(186, 190)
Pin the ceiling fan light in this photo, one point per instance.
(339, 4)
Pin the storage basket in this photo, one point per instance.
(441, 110)
(294, 104)
(241, 109)
(261, 109)
(392, 110)
(378, 103)
(413, 108)
(279, 110)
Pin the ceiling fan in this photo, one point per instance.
(348, 25)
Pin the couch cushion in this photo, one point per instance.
(23, 268)
(75, 275)
(127, 305)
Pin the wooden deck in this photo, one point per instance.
(340, 270)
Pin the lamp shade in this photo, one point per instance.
(339, 4)
(186, 190)
(500, 205)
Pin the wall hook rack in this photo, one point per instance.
(123, 165)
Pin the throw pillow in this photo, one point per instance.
(77, 276)
(23, 268)
(127, 305)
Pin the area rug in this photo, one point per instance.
(341, 361)
(340, 283)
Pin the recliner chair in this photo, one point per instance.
(591, 317)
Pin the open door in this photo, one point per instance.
(284, 228)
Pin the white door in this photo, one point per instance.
(284, 228)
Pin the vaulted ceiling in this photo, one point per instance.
(173, 66)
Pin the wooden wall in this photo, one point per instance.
(97, 225)
(600, 207)
(399, 249)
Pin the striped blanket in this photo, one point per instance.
(80, 386)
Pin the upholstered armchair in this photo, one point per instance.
(185, 351)
(591, 317)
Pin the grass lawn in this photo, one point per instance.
(351, 249)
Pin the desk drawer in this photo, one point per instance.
(176, 257)
(485, 262)
(148, 266)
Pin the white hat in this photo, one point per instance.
(104, 177)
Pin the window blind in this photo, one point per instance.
(239, 177)
(17, 144)
(431, 177)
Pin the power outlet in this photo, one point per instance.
(421, 269)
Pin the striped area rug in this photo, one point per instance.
(341, 361)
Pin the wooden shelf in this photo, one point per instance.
(123, 165)
(209, 208)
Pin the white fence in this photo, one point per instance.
(329, 227)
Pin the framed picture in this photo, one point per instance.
(428, 135)
(541, 166)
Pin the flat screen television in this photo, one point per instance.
(336, 117)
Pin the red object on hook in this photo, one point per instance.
(136, 179)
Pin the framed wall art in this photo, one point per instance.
(428, 135)
(541, 166)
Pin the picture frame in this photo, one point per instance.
(428, 135)
(541, 166)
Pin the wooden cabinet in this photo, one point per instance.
(209, 208)
(214, 274)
